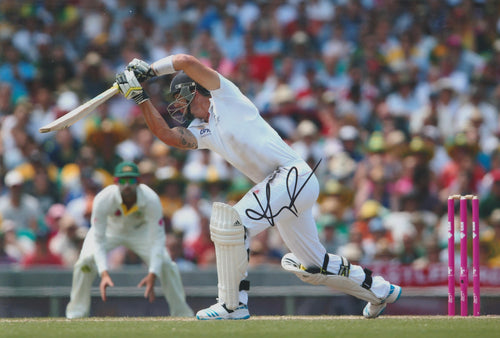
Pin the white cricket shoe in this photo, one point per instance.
(373, 311)
(219, 311)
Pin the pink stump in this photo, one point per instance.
(475, 256)
(451, 256)
(464, 271)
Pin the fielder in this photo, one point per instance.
(214, 114)
(126, 213)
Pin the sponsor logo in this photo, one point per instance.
(205, 132)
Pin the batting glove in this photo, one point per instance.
(130, 87)
(141, 69)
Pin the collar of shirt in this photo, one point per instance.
(141, 201)
(127, 211)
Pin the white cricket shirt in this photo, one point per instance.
(110, 219)
(238, 133)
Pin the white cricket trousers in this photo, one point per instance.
(85, 271)
(296, 190)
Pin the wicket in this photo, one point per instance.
(464, 271)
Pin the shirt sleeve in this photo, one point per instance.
(100, 209)
(156, 230)
(197, 128)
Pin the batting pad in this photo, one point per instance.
(343, 284)
(228, 234)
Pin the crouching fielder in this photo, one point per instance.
(214, 114)
(126, 214)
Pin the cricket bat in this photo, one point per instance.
(80, 112)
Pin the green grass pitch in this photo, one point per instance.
(272, 326)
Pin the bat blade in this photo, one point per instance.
(80, 112)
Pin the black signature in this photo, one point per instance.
(266, 212)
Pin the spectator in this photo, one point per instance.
(136, 147)
(261, 251)
(267, 41)
(52, 218)
(228, 35)
(63, 148)
(462, 174)
(175, 247)
(42, 256)
(216, 59)
(16, 72)
(476, 109)
(332, 233)
(15, 136)
(80, 208)
(43, 113)
(188, 219)
(205, 166)
(68, 241)
(306, 142)
(491, 201)
(447, 107)
(402, 103)
(490, 238)
(171, 196)
(19, 207)
(349, 137)
(201, 249)
(5, 258)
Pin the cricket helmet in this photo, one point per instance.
(181, 94)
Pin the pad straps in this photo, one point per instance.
(367, 283)
(322, 270)
(244, 285)
(344, 270)
(345, 267)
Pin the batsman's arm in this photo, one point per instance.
(196, 70)
(178, 137)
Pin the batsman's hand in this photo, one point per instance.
(105, 282)
(130, 87)
(142, 70)
(149, 282)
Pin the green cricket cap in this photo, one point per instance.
(127, 169)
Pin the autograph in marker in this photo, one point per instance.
(266, 210)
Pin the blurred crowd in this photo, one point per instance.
(397, 100)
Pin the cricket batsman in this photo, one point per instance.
(214, 114)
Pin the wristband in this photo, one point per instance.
(163, 66)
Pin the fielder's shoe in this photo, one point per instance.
(373, 311)
(219, 311)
